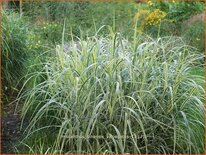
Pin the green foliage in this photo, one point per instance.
(200, 71)
(85, 17)
(50, 32)
(180, 11)
(99, 91)
(114, 96)
(195, 35)
(21, 47)
(14, 50)
(177, 14)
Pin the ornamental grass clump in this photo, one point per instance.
(14, 52)
(116, 96)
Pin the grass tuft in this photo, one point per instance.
(116, 96)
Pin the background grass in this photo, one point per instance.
(106, 88)
(200, 71)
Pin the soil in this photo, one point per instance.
(11, 124)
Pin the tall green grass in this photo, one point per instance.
(14, 50)
(116, 96)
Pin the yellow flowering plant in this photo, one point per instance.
(50, 31)
(146, 18)
(155, 17)
(33, 42)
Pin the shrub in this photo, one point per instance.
(148, 19)
(177, 13)
(115, 96)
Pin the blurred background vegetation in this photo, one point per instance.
(178, 18)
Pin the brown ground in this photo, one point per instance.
(11, 133)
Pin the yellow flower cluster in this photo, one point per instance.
(155, 17)
(149, 18)
(46, 26)
(33, 42)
